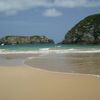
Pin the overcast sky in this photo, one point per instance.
(43, 17)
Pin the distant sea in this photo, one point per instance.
(49, 48)
(84, 59)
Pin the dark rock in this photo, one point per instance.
(7, 40)
(86, 31)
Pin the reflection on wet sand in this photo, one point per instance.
(86, 63)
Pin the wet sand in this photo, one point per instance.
(26, 83)
(21, 82)
(84, 63)
(15, 60)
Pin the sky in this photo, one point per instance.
(53, 18)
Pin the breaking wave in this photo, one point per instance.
(49, 50)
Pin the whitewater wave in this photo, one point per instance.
(2, 50)
(49, 50)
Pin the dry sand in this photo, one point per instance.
(26, 83)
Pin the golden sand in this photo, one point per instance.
(26, 83)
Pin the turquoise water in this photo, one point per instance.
(83, 59)
(25, 47)
(30, 47)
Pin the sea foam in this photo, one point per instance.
(49, 50)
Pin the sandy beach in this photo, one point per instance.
(27, 83)
(23, 82)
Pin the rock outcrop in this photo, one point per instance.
(86, 31)
(7, 40)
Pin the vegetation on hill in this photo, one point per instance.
(86, 31)
(26, 40)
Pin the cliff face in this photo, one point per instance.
(26, 40)
(86, 31)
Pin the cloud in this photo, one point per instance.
(77, 3)
(52, 13)
(13, 6)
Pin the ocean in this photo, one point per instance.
(84, 59)
(49, 48)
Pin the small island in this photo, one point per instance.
(10, 40)
(87, 31)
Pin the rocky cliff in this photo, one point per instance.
(86, 31)
(26, 40)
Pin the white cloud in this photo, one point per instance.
(77, 3)
(13, 6)
(52, 13)
(9, 6)
(70, 3)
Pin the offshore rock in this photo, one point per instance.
(7, 40)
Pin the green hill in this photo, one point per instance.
(86, 31)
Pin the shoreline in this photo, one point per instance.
(24, 82)
(27, 56)
(65, 73)
(52, 72)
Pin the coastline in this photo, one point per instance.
(16, 59)
(65, 73)
(38, 61)
(20, 59)
(67, 63)
(23, 82)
